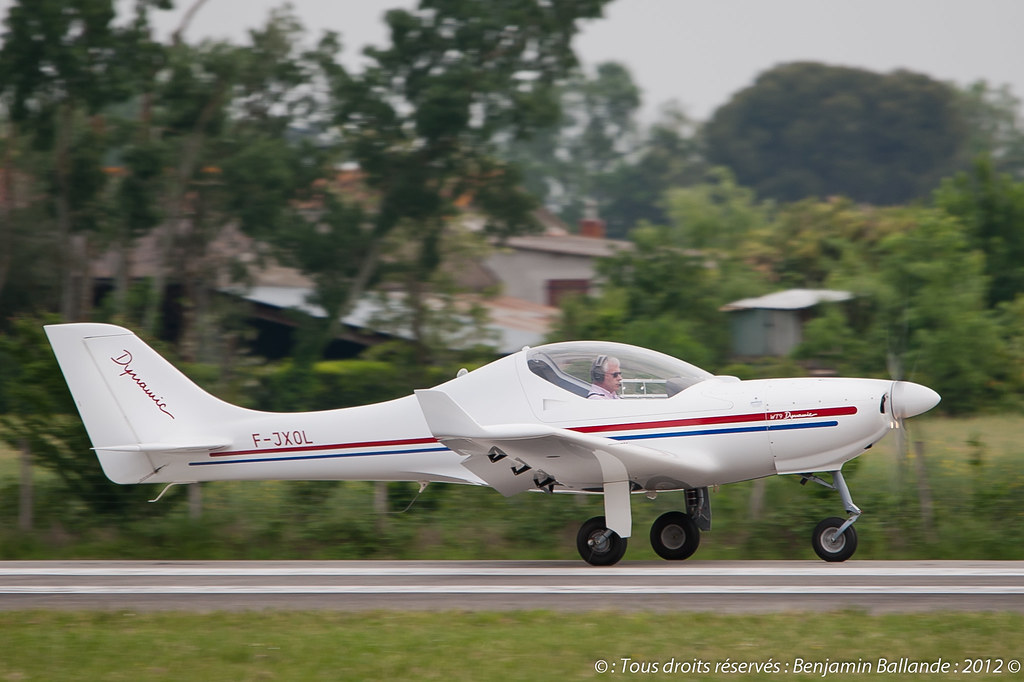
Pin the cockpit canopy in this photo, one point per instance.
(645, 373)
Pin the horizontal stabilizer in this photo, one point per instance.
(168, 448)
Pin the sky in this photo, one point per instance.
(701, 52)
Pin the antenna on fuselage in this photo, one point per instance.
(423, 486)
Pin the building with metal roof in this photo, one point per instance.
(773, 324)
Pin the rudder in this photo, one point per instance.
(133, 402)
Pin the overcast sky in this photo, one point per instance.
(701, 52)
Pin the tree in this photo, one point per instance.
(667, 157)
(995, 127)
(806, 241)
(338, 252)
(665, 292)
(935, 309)
(598, 154)
(61, 63)
(919, 311)
(660, 295)
(714, 216)
(422, 119)
(136, 194)
(27, 279)
(991, 207)
(810, 130)
(224, 121)
(598, 132)
(37, 413)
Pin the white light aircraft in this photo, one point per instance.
(523, 422)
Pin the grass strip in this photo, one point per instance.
(522, 645)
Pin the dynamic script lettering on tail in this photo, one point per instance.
(125, 361)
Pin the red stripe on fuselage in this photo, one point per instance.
(783, 416)
(780, 417)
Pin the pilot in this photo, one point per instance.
(606, 376)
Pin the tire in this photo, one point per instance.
(834, 549)
(675, 536)
(597, 550)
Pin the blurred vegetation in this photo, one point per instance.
(109, 135)
(968, 464)
(923, 306)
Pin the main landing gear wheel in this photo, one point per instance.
(675, 536)
(831, 546)
(599, 546)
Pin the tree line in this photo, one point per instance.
(800, 130)
(109, 133)
(937, 288)
(902, 189)
(905, 191)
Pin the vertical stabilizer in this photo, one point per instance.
(133, 402)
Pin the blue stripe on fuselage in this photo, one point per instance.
(640, 436)
(739, 429)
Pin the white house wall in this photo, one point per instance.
(525, 274)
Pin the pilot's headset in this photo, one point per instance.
(597, 369)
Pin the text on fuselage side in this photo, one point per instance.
(280, 439)
(791, 415)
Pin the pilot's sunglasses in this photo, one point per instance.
(616, 374)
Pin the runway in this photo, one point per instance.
(754, 586)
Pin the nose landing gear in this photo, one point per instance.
(832, 545)
(835, 539)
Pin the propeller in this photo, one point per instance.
(907, 399)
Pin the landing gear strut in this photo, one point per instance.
(675, 535)
(835, 539)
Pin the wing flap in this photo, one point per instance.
(513, 458)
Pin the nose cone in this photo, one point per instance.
(910, 399)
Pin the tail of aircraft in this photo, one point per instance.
(136, 406)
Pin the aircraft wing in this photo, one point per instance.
(513, 458)
(509, 457)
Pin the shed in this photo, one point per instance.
(773, 324)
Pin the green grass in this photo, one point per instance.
(534, 645)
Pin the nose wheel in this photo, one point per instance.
(831, 542)
(834, 539)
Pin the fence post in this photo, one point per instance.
(26, 493)
(380, 505)
(924, 493)
(195, 501)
